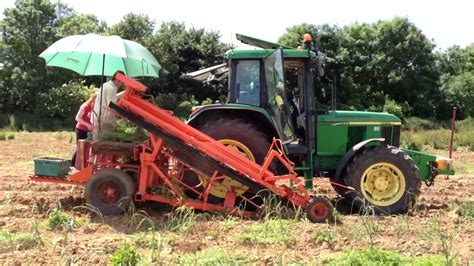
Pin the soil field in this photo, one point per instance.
(436, 228)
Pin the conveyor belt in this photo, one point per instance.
(187, 153)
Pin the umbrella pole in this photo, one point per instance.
(101, 95)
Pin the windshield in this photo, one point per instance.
(277, 99)
(247, 82)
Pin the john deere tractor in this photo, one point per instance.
(271, 95)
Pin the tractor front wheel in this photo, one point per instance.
(384, 178)
(110, 190)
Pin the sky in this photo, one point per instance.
(447, 23)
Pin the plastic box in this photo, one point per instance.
(54, 167)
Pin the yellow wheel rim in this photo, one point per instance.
(220, 189)
(383, 184)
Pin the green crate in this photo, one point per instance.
(55, 167)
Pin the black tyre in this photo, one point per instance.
(241, 136)
(384, 178)
(110, 191)
(319, 210)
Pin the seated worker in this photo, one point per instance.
(102, 112)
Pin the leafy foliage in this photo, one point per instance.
(126, 255)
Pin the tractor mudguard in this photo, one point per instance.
(255, 115)
(350, 154)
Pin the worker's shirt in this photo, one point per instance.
(109, 94)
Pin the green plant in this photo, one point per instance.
(10, 137)
(59, 219)
(3, 136)
(370, 223)
(213, 257)
(466, 210)
(125, 131)
(125, 255)
(10, 241)
(435, 231)
(270, 231)
(326, 235)
(376, 256)
(91, 209)
(181, 219)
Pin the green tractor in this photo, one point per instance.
(271, 95)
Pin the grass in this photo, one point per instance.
(182, 219)
(376, 256)
(270, 231)
(15, 241)
(217, 256)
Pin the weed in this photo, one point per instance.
(376, 256)
(59, 219)
(327, 236)
(126, 255)
(10, 137)
(10, 241)
(213, 257)
(3, 136)
(370, 223)
(447, 238)
(181, 219)
(35, 233)
(91, 209)
(230, 222)
(466, 210)
(270, 231)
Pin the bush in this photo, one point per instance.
(393, 107)
(3, 136)
(64, 101)
(126, 255)
(419, 124)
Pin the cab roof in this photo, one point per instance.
(256, 54)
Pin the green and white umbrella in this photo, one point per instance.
(96, 55)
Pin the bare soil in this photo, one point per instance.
(23, 202)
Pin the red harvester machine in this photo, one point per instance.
(174, 151)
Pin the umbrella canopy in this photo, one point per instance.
(95, 55)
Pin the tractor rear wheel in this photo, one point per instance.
(110, 191)
(244, 138)
(384, 178)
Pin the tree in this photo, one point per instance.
(26, 31)
(371, 61)
(134, 27)
(80, 24)
(180, 50)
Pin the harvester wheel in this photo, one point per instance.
(110, 191)
(319, 210)
(240, 136)
(384, 178)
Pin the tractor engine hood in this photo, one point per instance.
(358, 118)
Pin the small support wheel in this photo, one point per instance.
(319, 210)
(110, 190)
